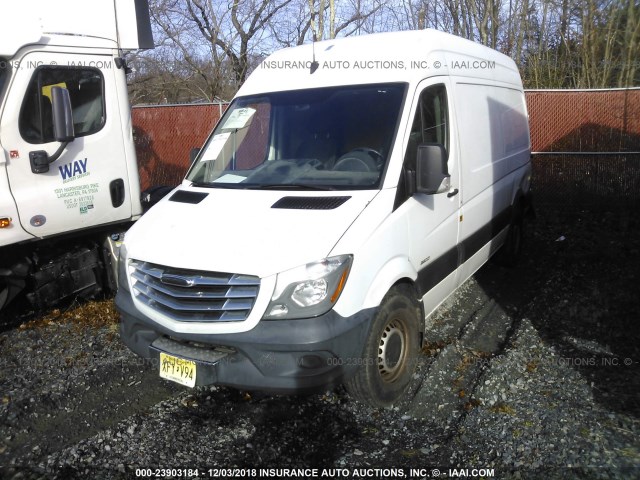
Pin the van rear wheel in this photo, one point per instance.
(510, 253)
(390, 353)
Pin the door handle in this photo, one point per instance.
(116, 189)
(452, 193)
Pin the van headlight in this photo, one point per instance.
(309, 290)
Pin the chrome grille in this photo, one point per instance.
(194, 295)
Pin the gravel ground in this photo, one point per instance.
(530, 372)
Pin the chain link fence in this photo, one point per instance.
(590, 181)
(164, 136)
(586, 144)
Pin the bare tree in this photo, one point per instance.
(246, 20)
(206, 48)
(344, 18)
(210, 47)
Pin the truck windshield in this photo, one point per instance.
(326, 138)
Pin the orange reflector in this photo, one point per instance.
(343, 280)
(5, 222)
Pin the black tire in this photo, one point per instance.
(4, 294)
(510, 253)
(391, 351)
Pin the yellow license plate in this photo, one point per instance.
(178, 369)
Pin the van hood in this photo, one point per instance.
(253, 232)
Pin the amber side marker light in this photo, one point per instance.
(341, 282)
(5, 222)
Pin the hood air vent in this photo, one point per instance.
(185, 196)
(310, 203)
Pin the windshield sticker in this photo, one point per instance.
(229, 178)
(215, 147)
(239, 118)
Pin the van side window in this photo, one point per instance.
(430, 125)
(86, 91)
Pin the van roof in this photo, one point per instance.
(407, 56)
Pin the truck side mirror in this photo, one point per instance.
(62, 115)
(62, 130)
(193, 154)
(432, 174)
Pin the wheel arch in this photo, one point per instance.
(397, 271)
(521, 199)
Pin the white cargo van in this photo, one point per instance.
(350, 187)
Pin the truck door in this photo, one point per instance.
(433, 219)
(86, 185)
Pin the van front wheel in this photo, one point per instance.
(390, 353)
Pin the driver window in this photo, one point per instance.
(85, 86)
(430, 123)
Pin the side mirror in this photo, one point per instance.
(432, 174)
(62, 115)
(62, 130)
(193, 154)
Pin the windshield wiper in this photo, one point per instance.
(217, 185)
(289, 186)
(266, 186)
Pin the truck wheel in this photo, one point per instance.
(13, 280)
(4, 294)
(391, 351)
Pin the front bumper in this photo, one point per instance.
(279, 356)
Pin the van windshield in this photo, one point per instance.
(326, 138)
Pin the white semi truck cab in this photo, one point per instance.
(68, 175)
